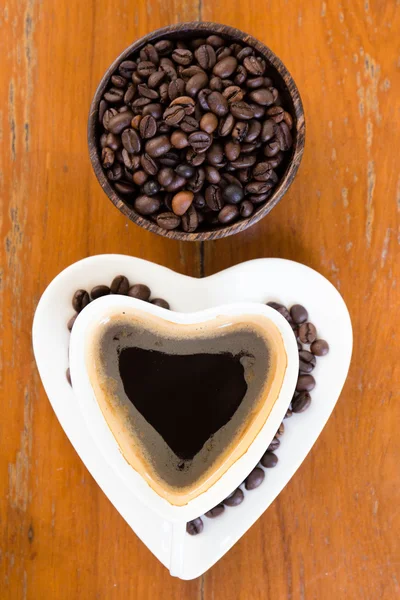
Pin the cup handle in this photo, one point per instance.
(177, 551)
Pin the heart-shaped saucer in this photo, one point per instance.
(116, 432)
(260, 280)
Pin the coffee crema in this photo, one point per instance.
(184, 402)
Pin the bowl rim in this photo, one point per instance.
(299, 124)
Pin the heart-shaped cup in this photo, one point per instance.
(118, 424)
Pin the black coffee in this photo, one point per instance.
(186, 398)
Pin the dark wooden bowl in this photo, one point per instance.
(283, 81)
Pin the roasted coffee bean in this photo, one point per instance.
(307, 333)
(179, 139)
(170, 159)
(124, 188)
(218, 104)
(147, 205)
(107, 157)
(288, 119)
(213, 197)
(199, 201)
(176, 184)
(215, 512)
(148, 164)
(168, 220)
(225, 67)
(283, 136)
(200, 141)
(113, 141)
(255, 479)
(307, 361)
(181, 202)
(228, 214)
(151, 187)
(269, 460)
(233, 194)
(182, 56)
(195, 159)
(119, 285)
(246, 209)
(147, 92)
(209, 122)
(212, 174)
(163, 47)
(148, 127)
(258, 187)
(215, 154)
(139, 291)
(131, 141)
(160, 302)
(288, 414)
(190, 220)
(71, 321)
(158, 146)
(281, 430)
(215, 41)
(189, 124)
(271, 148)
(185, 170)
(299, 314)
(319, 348)
(235, 498)
(244, 161)
(127, 68)
(120, 121)
(155, 79)
(114, 95)
(196, 83)
(262, 172)
(187, 103)
(305, 383)
(165, 176)
(233, 93)
(262, 96)
(253, 132)
(226, 125)
(258, 110)
(98, 291)
(232, 150)
(276, 113)
(194, 527)
(268, 130)
(240, 130)
(241, 110)
(254, 66)
(215, 84)
(281, 309)
(274, 445)
(301, 402)
(103, 140)
(174, 115)
(205, 56)
(79, 300)
(140, 177)
(103, 105)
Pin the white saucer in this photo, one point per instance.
(260, 280)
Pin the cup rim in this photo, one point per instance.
(292, 167)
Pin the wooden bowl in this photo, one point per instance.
(282, 80)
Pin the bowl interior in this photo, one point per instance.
(290, 99)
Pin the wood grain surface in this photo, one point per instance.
(334, 531)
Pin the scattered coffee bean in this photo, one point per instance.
(281, 430)
(98, 291)
(235, 498)
(215, 512)
(307, 333)
(71, 322)
(160, 302)
(274, 444)
(139, 291)
(319, 348)
(269, 460)
(79, 300)
(255, 479)
(119, 285)
(299, 314)
(185, 115)
(305, 383)
(194, 527)
(307, 361)
(301, 402)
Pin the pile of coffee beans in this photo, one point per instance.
(119, 285)
(193, 134)
(310, 347)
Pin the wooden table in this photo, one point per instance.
(333, 532)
